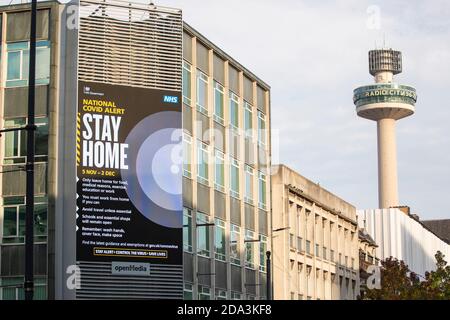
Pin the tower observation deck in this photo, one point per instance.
(385, 102)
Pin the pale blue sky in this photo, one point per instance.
(313, 54)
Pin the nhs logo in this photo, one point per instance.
(170, 99)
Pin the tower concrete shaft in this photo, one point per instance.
(385, 102)
(387, 164)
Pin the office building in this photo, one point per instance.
(226, 152)
(315, 240)
(367, 258)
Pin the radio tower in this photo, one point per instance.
(385, 102)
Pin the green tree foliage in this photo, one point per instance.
(437, 283)
(399, 283)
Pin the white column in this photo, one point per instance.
(387, 164)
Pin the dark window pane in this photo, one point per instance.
(9, 221)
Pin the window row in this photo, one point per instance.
(13, 223)
(18, 60)
(219, 163)
(204, 293)
(296, 244)
(219, 105)
(255, 246)
(16, 141)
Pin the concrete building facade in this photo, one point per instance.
(367, 258)
(226, 114)
(226, 150)
(315, 240)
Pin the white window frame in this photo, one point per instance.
(40, 45)
(187, 158)
(262, 178)
(188, 213)
(234, 164)
(262, 255)
(249, 235)
(234, 229)
(219, 156)
(221, 294)
(202, 147)
(249, 174)
(201, 77)
(188, 68)
(234, 99)
(202, 218)
(219, 119)
(204, 290)
(262, 133)
(220, 224)
(248, 108)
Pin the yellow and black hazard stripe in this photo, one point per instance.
(78, 139)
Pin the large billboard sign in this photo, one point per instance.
(129, 175)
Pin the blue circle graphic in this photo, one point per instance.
(154, 174)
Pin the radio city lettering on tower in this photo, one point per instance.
(101, 148)
(391, 92)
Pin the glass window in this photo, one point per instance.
(261, 128)
(202, 235)
(202, 92)
(234, 110)
(16, 141)
(14, 65)
(308, 247)
(262, 191)
(324, 255)
(219, 242)
(218, 103)
(332, 255)
(248, 197)
(202, 159)
(18, 63)
(262, 252)
(299, 244)
(291, 241)
(14, 219)
(219, 180)
(10, 221)
(235, 296)
(317, 250)
(187, 83)
(204, 293)
(187, 155)
(11, 288)
(235, 239)
(187, 229)
(248, 120)
(234, 178)
(249, 249)
(187, 292)
(221, 294)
